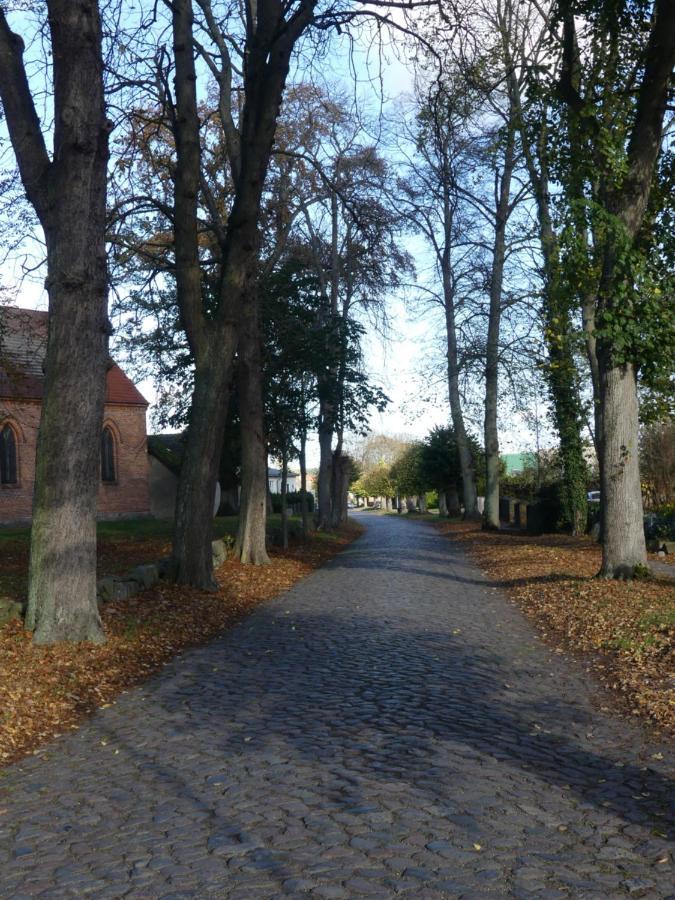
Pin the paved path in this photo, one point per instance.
(391, 725)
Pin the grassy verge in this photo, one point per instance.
(419, 517)
(121, 546)
(47, 690)
(625, 629)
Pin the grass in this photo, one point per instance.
(138, 529)
(127, 529)
(122, 544)
(431, 516)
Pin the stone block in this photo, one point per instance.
(125, 589)
(167, 569)
(106, 588)
(10, 609)
(146, 576)
(522, 514)
(112, 588)
(219, 551)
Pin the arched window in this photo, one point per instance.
(7, 455)
(107, 455)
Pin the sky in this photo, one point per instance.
(395, 363)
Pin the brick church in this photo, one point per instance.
(123, 489)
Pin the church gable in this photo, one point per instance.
(123, 487)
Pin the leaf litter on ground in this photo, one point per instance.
(624, 629)
(45, 691)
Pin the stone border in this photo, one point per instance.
(121, 587)
(146, 576)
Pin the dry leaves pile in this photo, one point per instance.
(626, 629)
(46, 690)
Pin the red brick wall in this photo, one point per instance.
(128, 496)
(16, 500)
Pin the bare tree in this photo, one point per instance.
(431, 194)
(247, 50)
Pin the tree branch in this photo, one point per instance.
(22, 120)
(645, 140)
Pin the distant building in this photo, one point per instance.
(518, 462)
(165, 456)
(274, 481)
(123, 488)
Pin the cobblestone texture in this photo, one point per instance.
(390, 726)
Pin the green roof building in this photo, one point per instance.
(518, 462)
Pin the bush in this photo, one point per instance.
(592, 516)
(660, 524)
(520, 485)
(294, 500)
(275, 535)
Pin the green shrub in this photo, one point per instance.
(660, 524)
(294, 499)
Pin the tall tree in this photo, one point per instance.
(432, 196)
(502, 211)
(350, 232)
(67, 188)
(247, 49)
(615, 89)
(524, 46)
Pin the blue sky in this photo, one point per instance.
(382, 79)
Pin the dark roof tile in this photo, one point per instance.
(23, 345)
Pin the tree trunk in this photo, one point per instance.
(336, 488)
(62, 602)
(213, 334)
(69, 197)
(562, 380)
(325, 478)
(461, 437)
(251, 545)
(454, 508)
(422, 500)
(491, 512)
(623, 546)
(193, 528)
(562, 377)
(558, 298)
(625, 201)
(284, 501)
(442, 504)
(303, 484)
(212, 345)
(341, 470)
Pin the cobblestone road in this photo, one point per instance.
(391, 725)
